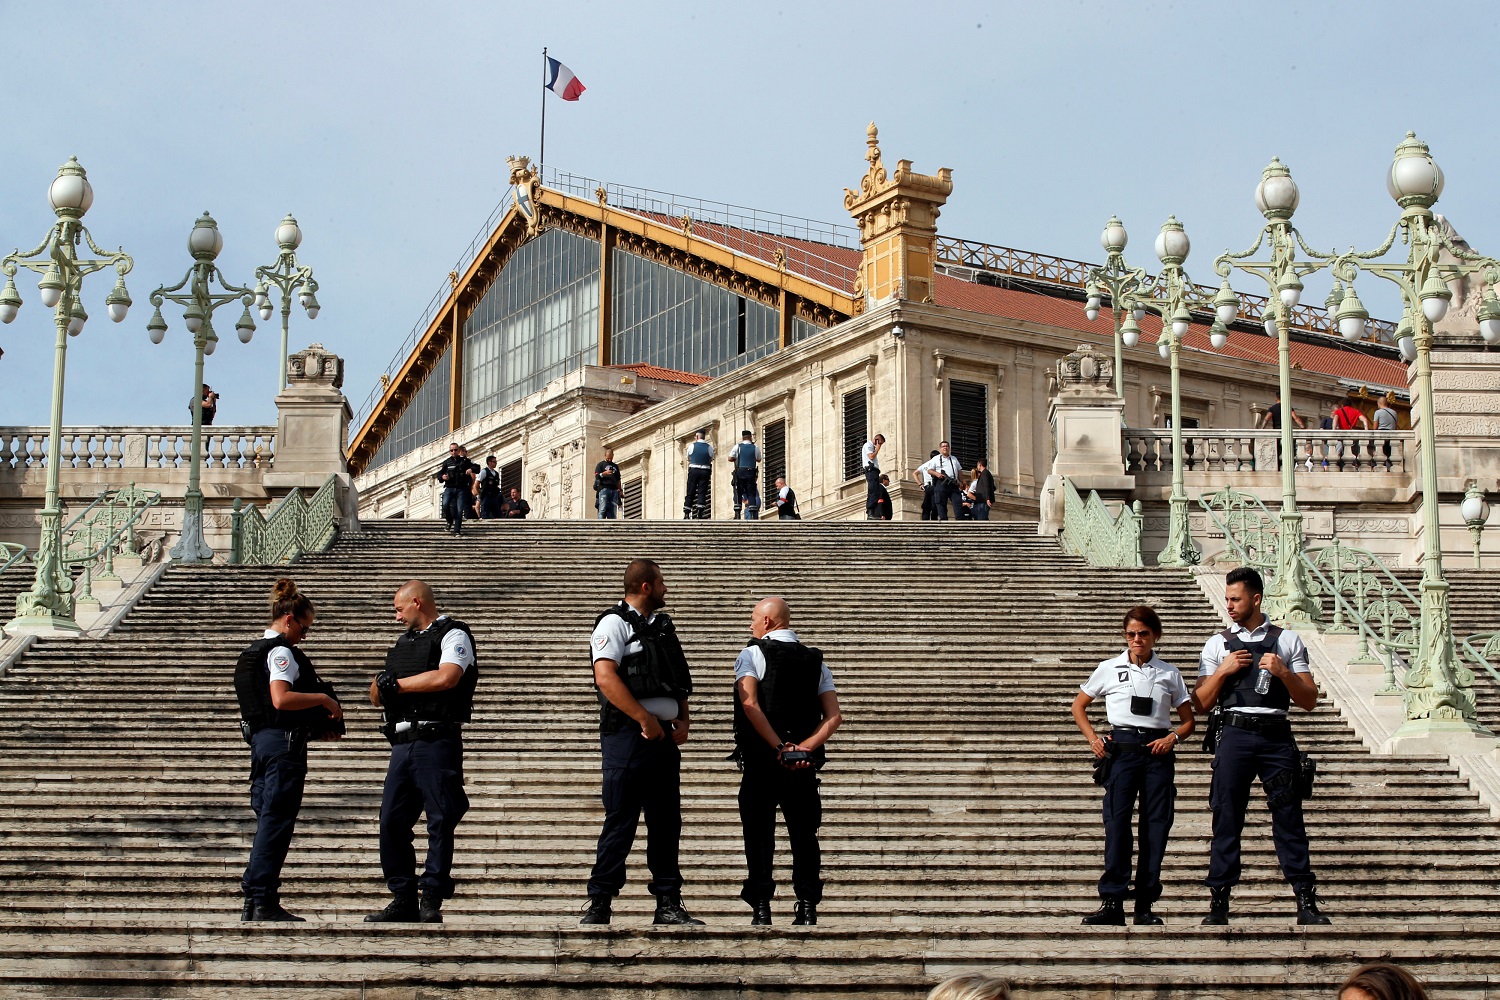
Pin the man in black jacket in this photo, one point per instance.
(983, 488)
(457, 476)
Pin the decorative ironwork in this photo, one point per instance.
(100, 532)
(295, 526)
(1092, 531)
(1250, 530)
(11, 554)
(1370, 601)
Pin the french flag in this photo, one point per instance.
(562, 82)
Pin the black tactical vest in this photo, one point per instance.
(659, 670)
(252, 688)
(1239, 690)
(418, 652)
(788, 695)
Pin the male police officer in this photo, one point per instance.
(785, 709)
(488, 487)
(869, 459)
(700, 469)
(456, 475)
(1255, 671)
(745, 460)
(643, 683)
(427, 691)
(943, 471)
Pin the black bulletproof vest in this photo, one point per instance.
(418, 652)
(659, 670)
(489, 482)
(1239, 690)
(788, 695)
(252, 688)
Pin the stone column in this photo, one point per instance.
(312, 427)
(1086, 418)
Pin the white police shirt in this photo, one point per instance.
(867, 455)
(1118, 680)
(281, 662)
(456, 647)
(752, 662)
(612, 641)
(1289, 647)
(946, 464)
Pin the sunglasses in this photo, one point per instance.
(1138, 635)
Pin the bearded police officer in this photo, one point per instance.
(785, 709)
(700, 470)
(1137, 762)
(643, 682)
(427, 691)
(1255, 672)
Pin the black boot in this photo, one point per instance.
(806, 914)
(669, 910)
(268, 908)
(247, 909)
(597, 912)
(1218, 906)
(430, 909)
(1111, 913)
(761, 908)
(1144, 917)
(401, 910)
(1307, 905)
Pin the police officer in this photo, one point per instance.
(1255, 671)
(488, 485)
(427, 691)
(745, 460)
(869, 460)
(785, 709)
(786, 501)
(456, 476)
(942, 471)
(700, 469)
(282, 706)
(643, 682)
(1139, 690)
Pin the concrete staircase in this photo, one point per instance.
(961, 829)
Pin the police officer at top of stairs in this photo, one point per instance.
(745, 460)
(700, 470)
(282, 706)
(1139, 689)
(427, 691)
(785, 709)
(1256, 671)
(643, 684)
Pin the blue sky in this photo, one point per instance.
(384, 128)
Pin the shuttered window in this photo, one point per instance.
(510, 475)
(630, 498)
(969, 429)
(856, 425)
(773, 455)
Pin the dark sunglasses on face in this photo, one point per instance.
(1137, 635)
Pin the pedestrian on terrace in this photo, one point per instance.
(1137, 761)
(1385, 420)
(1381, 981)
(884, 511)
(982, 489)
(607, 486)
(514, 508)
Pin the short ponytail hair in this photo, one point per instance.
(286, 599)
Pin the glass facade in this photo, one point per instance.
(802, 329)
(538, 321)
(424, 420)
(674, 320)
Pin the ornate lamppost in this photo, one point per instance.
(1475, 510)
(48, 606)
(1119, 281)
(199, 302)
(288, 275)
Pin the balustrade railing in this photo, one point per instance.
(100, 532)
(1091, 530)
(295, 526)
(138, 447)
(1149, 449)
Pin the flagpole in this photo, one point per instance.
(542, 156)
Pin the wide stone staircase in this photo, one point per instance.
(961, 830)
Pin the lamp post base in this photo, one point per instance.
(1289, 599)
(192, 549)
(53, 626)
(1440, 737)
(1180, 550)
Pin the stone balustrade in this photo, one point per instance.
(1148, 450)
(247, 448)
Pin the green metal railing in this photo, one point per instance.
(100, 532)
(11, 553)
(1091, 530)
(296, 525)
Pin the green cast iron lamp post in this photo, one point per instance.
(1475, 510)
(1119, 281)
(48, 606)
(199, 302)
(289, 276)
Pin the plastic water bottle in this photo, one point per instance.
(1263, 681)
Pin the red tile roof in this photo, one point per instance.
(665, 374)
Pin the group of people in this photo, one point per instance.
(473, 493)
(1342, 416)
(744, 465)
(943, 485)
(1249, 677)
(785, 709)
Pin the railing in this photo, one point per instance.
(1487, 652)
(294, 526)
(1092, 531)
(1250, 531)
(1149, 449)
(11, 554)
(103, 530)
(138, 447)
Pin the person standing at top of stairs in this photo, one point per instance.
(745, 461)
(457, 476)
(644, 683)
(869, 460)
(427, 691)
(1256, 671)
(700, 471)
(1139, 689)
(282, 706)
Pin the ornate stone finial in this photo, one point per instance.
(872, 139)
(601, 194)
(1086, 372)
(780, 258)
(520, 169)
(315, 366)
(687, 224)
(897, 216)
(385, 381)
(453, 279)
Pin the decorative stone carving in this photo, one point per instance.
(1086, 372)
(315, 366)
(897, 217)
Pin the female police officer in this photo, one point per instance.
(1139, 689)
(282, 706)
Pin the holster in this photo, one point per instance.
(1307, 773)
(1213, 730)
(1104, 765)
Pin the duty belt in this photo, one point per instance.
(1140, 738)
(1266, 725)
(420, 731)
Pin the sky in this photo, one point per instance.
(384, 129)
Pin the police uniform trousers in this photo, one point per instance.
(489, 505)
(278, 771)
(944, 490)
(697, 488)
(927, 510)
(640, 776)
(454, 501)
(872, 490)
(424, 775)
(1244, 755)
(744, 488)
(764, 786)
(1137, 775)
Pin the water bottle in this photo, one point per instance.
(1263, 681)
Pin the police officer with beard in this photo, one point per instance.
(427, 691)
(785, 709)
(643, 682)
